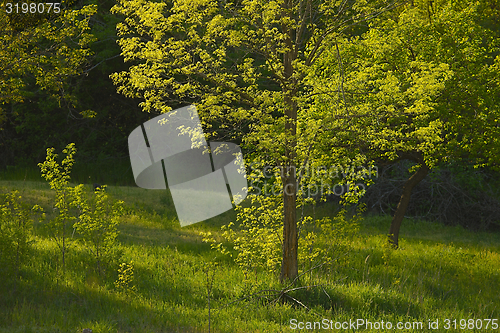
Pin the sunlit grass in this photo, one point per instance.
(439, 272)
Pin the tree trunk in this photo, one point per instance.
(404, 201)
(289, 264)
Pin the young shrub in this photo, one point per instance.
(125, 281)
(58, 176)
(97, 225)
(16, 226)
(257, 241)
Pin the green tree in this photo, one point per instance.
(244, 64)
(16, 227)
(421, 83)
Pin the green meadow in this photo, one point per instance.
(447, 276)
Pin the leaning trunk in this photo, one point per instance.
(404, 201)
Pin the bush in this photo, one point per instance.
(257, 240)
(95, 218)
(58, 176)
(16, 226)
(97, 225)
(125, 282)
(256, 243)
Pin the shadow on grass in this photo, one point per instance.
(45, 300)
(186, 241)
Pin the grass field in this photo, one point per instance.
(440, 273)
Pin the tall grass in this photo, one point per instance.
(438, 273)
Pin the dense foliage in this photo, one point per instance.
(300, 85)
(55, 87)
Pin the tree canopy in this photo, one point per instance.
(421, 85)
(45, 54)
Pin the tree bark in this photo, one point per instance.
(289, 264)
(416, 178)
